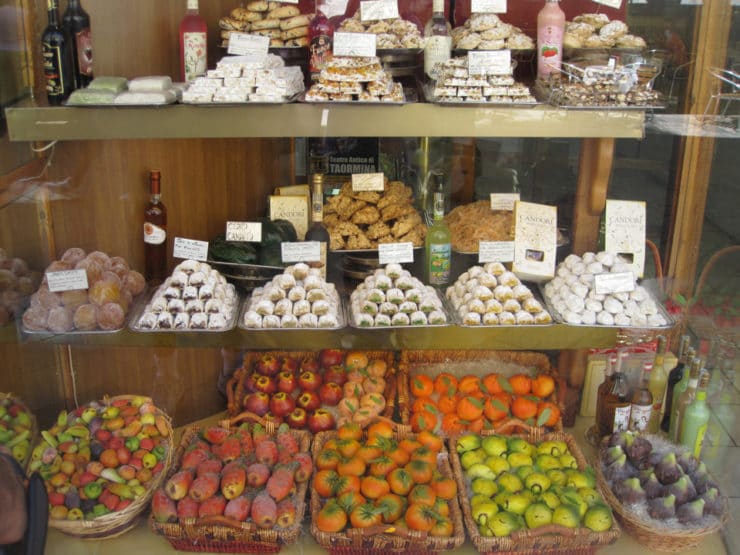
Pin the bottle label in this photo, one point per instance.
(52, 56)
(699, 440)
(436, 50)
(439, 263)
(321, 53)
(195, 54)
(84, 52)
(621, 419)
(153, 234)
(640, 417)
(317, 210)
(549, 44)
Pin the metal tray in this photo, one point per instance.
(290, 100)
(445, 309)
(341, 318)
(140, 307)
(535, 292)
(302, 98)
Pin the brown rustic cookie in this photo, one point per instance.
(336, 241)
(367, 216)
(347, 228)
(405, 224)
(356, 242)
(378, 230)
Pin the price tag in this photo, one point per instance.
(496, 251)
(489, 62)
(190, 249)
(503, 201)
(334, 7)
(395, 252)
(244, 231)
(305, 251)
(372, 10)
(616, 4)
(354, 44)
(67, 280)
(487, 6)
(289, 1)
(368, 182)
(622, 282)
(244, 43)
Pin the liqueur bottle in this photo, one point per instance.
(679, 405)
(602, 423)
(550, 29)
(696, 418)
(674, 377)
(317, 231)
(76, 24)
(193, 43)
(438, 244)
(617, 400)
(155, 234)
(320, 44)
(657, 385)
(641, 405)
(56, 52)
(438, 39)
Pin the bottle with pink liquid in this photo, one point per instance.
(550, 28)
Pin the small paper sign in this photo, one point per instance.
(616, 4)
(621, 282)
(244, 231)
(496, 251)
(190, 249)
(368, 182)
(289, 1)
(67, 280)
(305, 251)
(354, 44)
(487, 6)
(489, 62)
(372, 10)
(399, 253)
(504, 201)
(244, 43)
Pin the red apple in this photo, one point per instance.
(289, 364)
(257, 403)
(265, 385)
(309, 381)
(115, 443)
(297, 418)
(281, 404)
(274, 418)
(309, 400)
(330, 357)
(320, 420)
(286, 382)
(103, 435)
(267, 365)
(331, 393)
(250, 382)
(310, 364)
(336, 374)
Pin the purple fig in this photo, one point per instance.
(713, 504)
(662, 508)
(683, 489)
(667, 470)
(629, 491)
(691, 512)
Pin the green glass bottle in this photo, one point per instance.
(684, 400)
(695, 419)
(678, 390)
(438, 245)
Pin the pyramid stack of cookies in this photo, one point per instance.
(282, 22)
(347, 79)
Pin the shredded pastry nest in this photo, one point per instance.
(475, 222)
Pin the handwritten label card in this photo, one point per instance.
(495, 251)
(190, 249)
(489, 62)
(372, 10)
(305, 251)
(622, 282)
(354, 44)
(244, 43)
(368, 182)
(504, 201)
(616, 4)
(400, 253)
(67, 280)
(487, 6)
(244, 231)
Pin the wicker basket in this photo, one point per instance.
(34, 430)
(225, 535)
(116, 523)
(671, 540)
(235, 390)
(377, 540)
(510, 362)
(551, 539)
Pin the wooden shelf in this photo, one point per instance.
(29, 123)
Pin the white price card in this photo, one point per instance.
(504, 201)
(399, 253)
(305, 251)
(487, 6)
(289, 1)
(67, 280)
(372, 10)
(244, 231)
(368, 182)
(489, 62)
(616, 4)
(621, 282)
(495, 251)
(190, 249)
(354, 44)
(244, 44)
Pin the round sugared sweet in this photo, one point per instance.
(111, 276)
(73, 255)
(101, 258)
(93, 269)
(73, 299)
(35, 318)
(57, 266)
(59, 320)
(85, 317)
(134, 282)
(125, 300)
(104, 291)
(119, 265)
(46, 298)
(110, 316)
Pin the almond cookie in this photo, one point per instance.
(301, 41)
(367, 215)
(580, 29)
(245, 15)
(283, 12)
(405, 224)
(295, 33)
(356, 242)
(597, 20)
(336, 241)
(266, 24)
(483, 21)
(346, 229)
(613, 30)
(258, 6)
(378, 230)
(331, 220)
(297, 21)
(348, 206)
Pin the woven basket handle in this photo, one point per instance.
(358, 533)
(232, 386)
(216, 520)
(513, 424)
(709, 265)
(544, 530)
(247, 417)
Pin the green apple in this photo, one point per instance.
(546, 462)
(480, 470)
(504, 523)
(510, 482)
(498, 464)
(566, 515)
(524, 471)
(537, 514)
(568, 461)
(478, 498)
(590, 496)
(468, 442)
(519, 458)
(469, 458)
(483, 513)
(494, 445)
(580, 479)
(484, 487)
(554, 448)
(520, 445)
(537, 482)
(550, 498)
(557, 476)
(517, 503)
(598, 518)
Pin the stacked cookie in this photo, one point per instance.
(359, 220)
(456, 84)
(391, 33)
(282, 22)
(486, 31)
(595, 30)
(362, 79)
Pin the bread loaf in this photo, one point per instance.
(266, 24)
(257, 6)
(294, 33)
(297, 21)
(283, 12)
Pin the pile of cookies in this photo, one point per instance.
(475, 222)
(456, 84)
(347, 79)
(364, 219)
(282, 22)
(391, 33)
(594, 30)
(486, 31)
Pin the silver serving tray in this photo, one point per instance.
(352, 324)
(341, 318)
(140, 308)
(537, 295)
